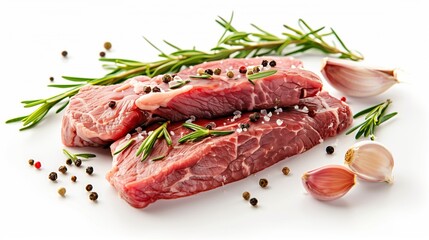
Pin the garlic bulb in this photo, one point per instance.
(357, 80)
(328, 182)
(371, 161)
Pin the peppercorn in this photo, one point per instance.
(147, 89)
(69, 161)
(107, 45)
(208, 71)
(200, 71)
(242, 69)
(102, 54)
(210, 125)
(285, 170)
(93, 196)
(62, 191)
(217, 71)
(37, 165)
(249, 72)
(156, 89)
(51, 79)
(62, 169)
(264, 63)
(166, 78)
(263, 182)
(343, 99)
(112, 104)
(230, 74)
(73, 178)
(256, 69)
(78, 162)
(329, 149)
(53, 176)
(254, 117)
(244, 125)
(273, 63)
(31, 162)
(88, 187)
(246, 195)
(64, 53)
(253, 201)
(89, 170)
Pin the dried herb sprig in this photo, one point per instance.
(75, 156)
(200, 133)
(232, 44)
(146, 147)
(375, 116)
(125, 146)
(259, 75)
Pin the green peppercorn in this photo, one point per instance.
(217, 71)
(62, 191)
(31, 162)
(93, 196)
(264, 63)
(167, 78)
(62, 169)
(69, 161)
(88, 187)
(285, 171)
(246, 195)
(254, 117)
(263, 182)
(156, 89)
(208, 71)
(107, 45)
(73, 178)
(89, 170)
(253, 201)
(78, 162)
(273, 63)
(230, 74)
(53, 176)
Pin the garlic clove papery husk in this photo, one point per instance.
(328, 182)
(371, 161)
(357, 80)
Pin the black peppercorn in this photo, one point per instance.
(89, 170)
(254, 117)
(244, 125)
(329, 149)
(112, 104)
(31, 162)
(62, 169)
(73, 178)
(102, 54)
(69, 161)
(78, 162)
(53, 176)
(156, 89)
(210, 125)
(263, 182)
(147, 89)
(209, 71)
(93, 196)
(264, 63)
(51, 79)
(64, 53)
(273, 63)
(167, 78)
(88, 187)
(253, 201)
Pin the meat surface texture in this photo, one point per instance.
(99, 115)
(194, 167)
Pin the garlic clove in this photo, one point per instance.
(328, 182)
(357, 80)
(371, 161)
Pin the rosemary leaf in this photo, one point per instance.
(200, 133)
(157, 158)
(204, 76)
(146, 147)
(125, 146)
(69, 155)
(85, 155)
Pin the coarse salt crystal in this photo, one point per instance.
(172, 133)
(270, 114)
(128, 136)
(236, 112)
(264, 112)
(139, 129)
(266, 118)
(279, 122)
(149, 133)
(239, 130)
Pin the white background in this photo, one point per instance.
(32, 36)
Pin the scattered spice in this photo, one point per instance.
(285, 171)
(210, 125)
(256, 69)
(263, 182)
(330, 149)
(249, 72)
(51, 79)
(217, 71)
(53, 176)
(107, 45)
(62, 169)
(244, 125)
(62, 191)
(254, 117)
(89, 170)
(93, 196)
(69, 161)
(167, 78)
(273, 63)
(253, 201)
(78, 162)
(156, 89)
(264, 63)
(200, 71)
(31, 162)
(242, 69)
(230, 74)
(208, 71)
(147, 89)
(246, 195)
(64, 53)
(37, 165)
(73, 178)
(102, 54)
(343, 99)
(112, 104)
(88, 187)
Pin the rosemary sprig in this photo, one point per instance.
(179, 84)
(125, 146)
(260, 75)
(375, 116)
(146, 147)
(203, 76)
(74, 157)
(232, 44)
(200, 133)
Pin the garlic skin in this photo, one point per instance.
(357, 80)
(370, 161)
(328, 182)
